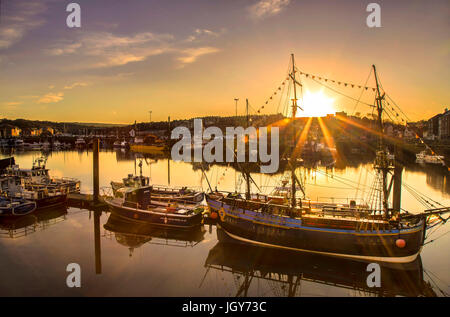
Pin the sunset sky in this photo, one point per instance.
(192, 58)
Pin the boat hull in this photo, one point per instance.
(267, 231)
(168, 220)
(23, 209)
(147, 148)
(50, 201)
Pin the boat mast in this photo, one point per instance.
(247, 173)
(382, 161)
(294, 111)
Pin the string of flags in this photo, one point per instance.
(273, 95)
(222, 177)
(315, 77)
(333, 81)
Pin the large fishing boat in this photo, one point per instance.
(378, 231)
(137, 204)
(12, 187)
(39, 175)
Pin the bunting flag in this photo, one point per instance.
(334, 81)
(273, 94)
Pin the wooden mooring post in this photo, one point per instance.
(96, 171)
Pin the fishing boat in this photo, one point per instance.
(380, 231)
(425, 157)
(12, 186)
(15, 207)
(137, 204)
(80, 143)
(149, 144)
(159, 193)
(39, 175)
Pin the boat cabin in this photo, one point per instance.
(136, 197)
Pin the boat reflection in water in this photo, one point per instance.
(285, 271)
(36, 221)
(134, 234)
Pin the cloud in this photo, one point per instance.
(105, 49)
(77, 84)
(12, 103)
(66, 49)
(204, 34)
(19, 20)
(191, 54)
(266, 8)
(51, 97)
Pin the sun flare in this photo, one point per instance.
(316, 104)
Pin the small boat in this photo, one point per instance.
(80, 143)
(18, 143)
(137, 204)
(424, 157)
(149, 144)
(57, 144)
(15, 207)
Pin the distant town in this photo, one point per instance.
(343, 127)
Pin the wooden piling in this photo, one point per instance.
(96, 170)
(97, 246)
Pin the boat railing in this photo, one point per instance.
(166, 188)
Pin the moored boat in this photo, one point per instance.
(380, 231)
(41, 195)
(39, 175)
(137, 204)
(183, 195)
(15, 207)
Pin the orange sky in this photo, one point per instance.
(192, 59)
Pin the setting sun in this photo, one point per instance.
(316, 104)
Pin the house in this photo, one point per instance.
(433, 127)
(444, 125)
(7, 131)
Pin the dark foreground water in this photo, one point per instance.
(121, 259)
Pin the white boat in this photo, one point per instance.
(18, 143)
(80, 143)
(424, 157)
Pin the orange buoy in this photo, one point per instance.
(214, 215)
(400, 243)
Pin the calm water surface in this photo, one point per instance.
(35, 251)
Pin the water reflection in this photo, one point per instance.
(103, 243)
(133, 234)
(16, 227)
(285, 272)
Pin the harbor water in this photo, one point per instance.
(116, 261)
